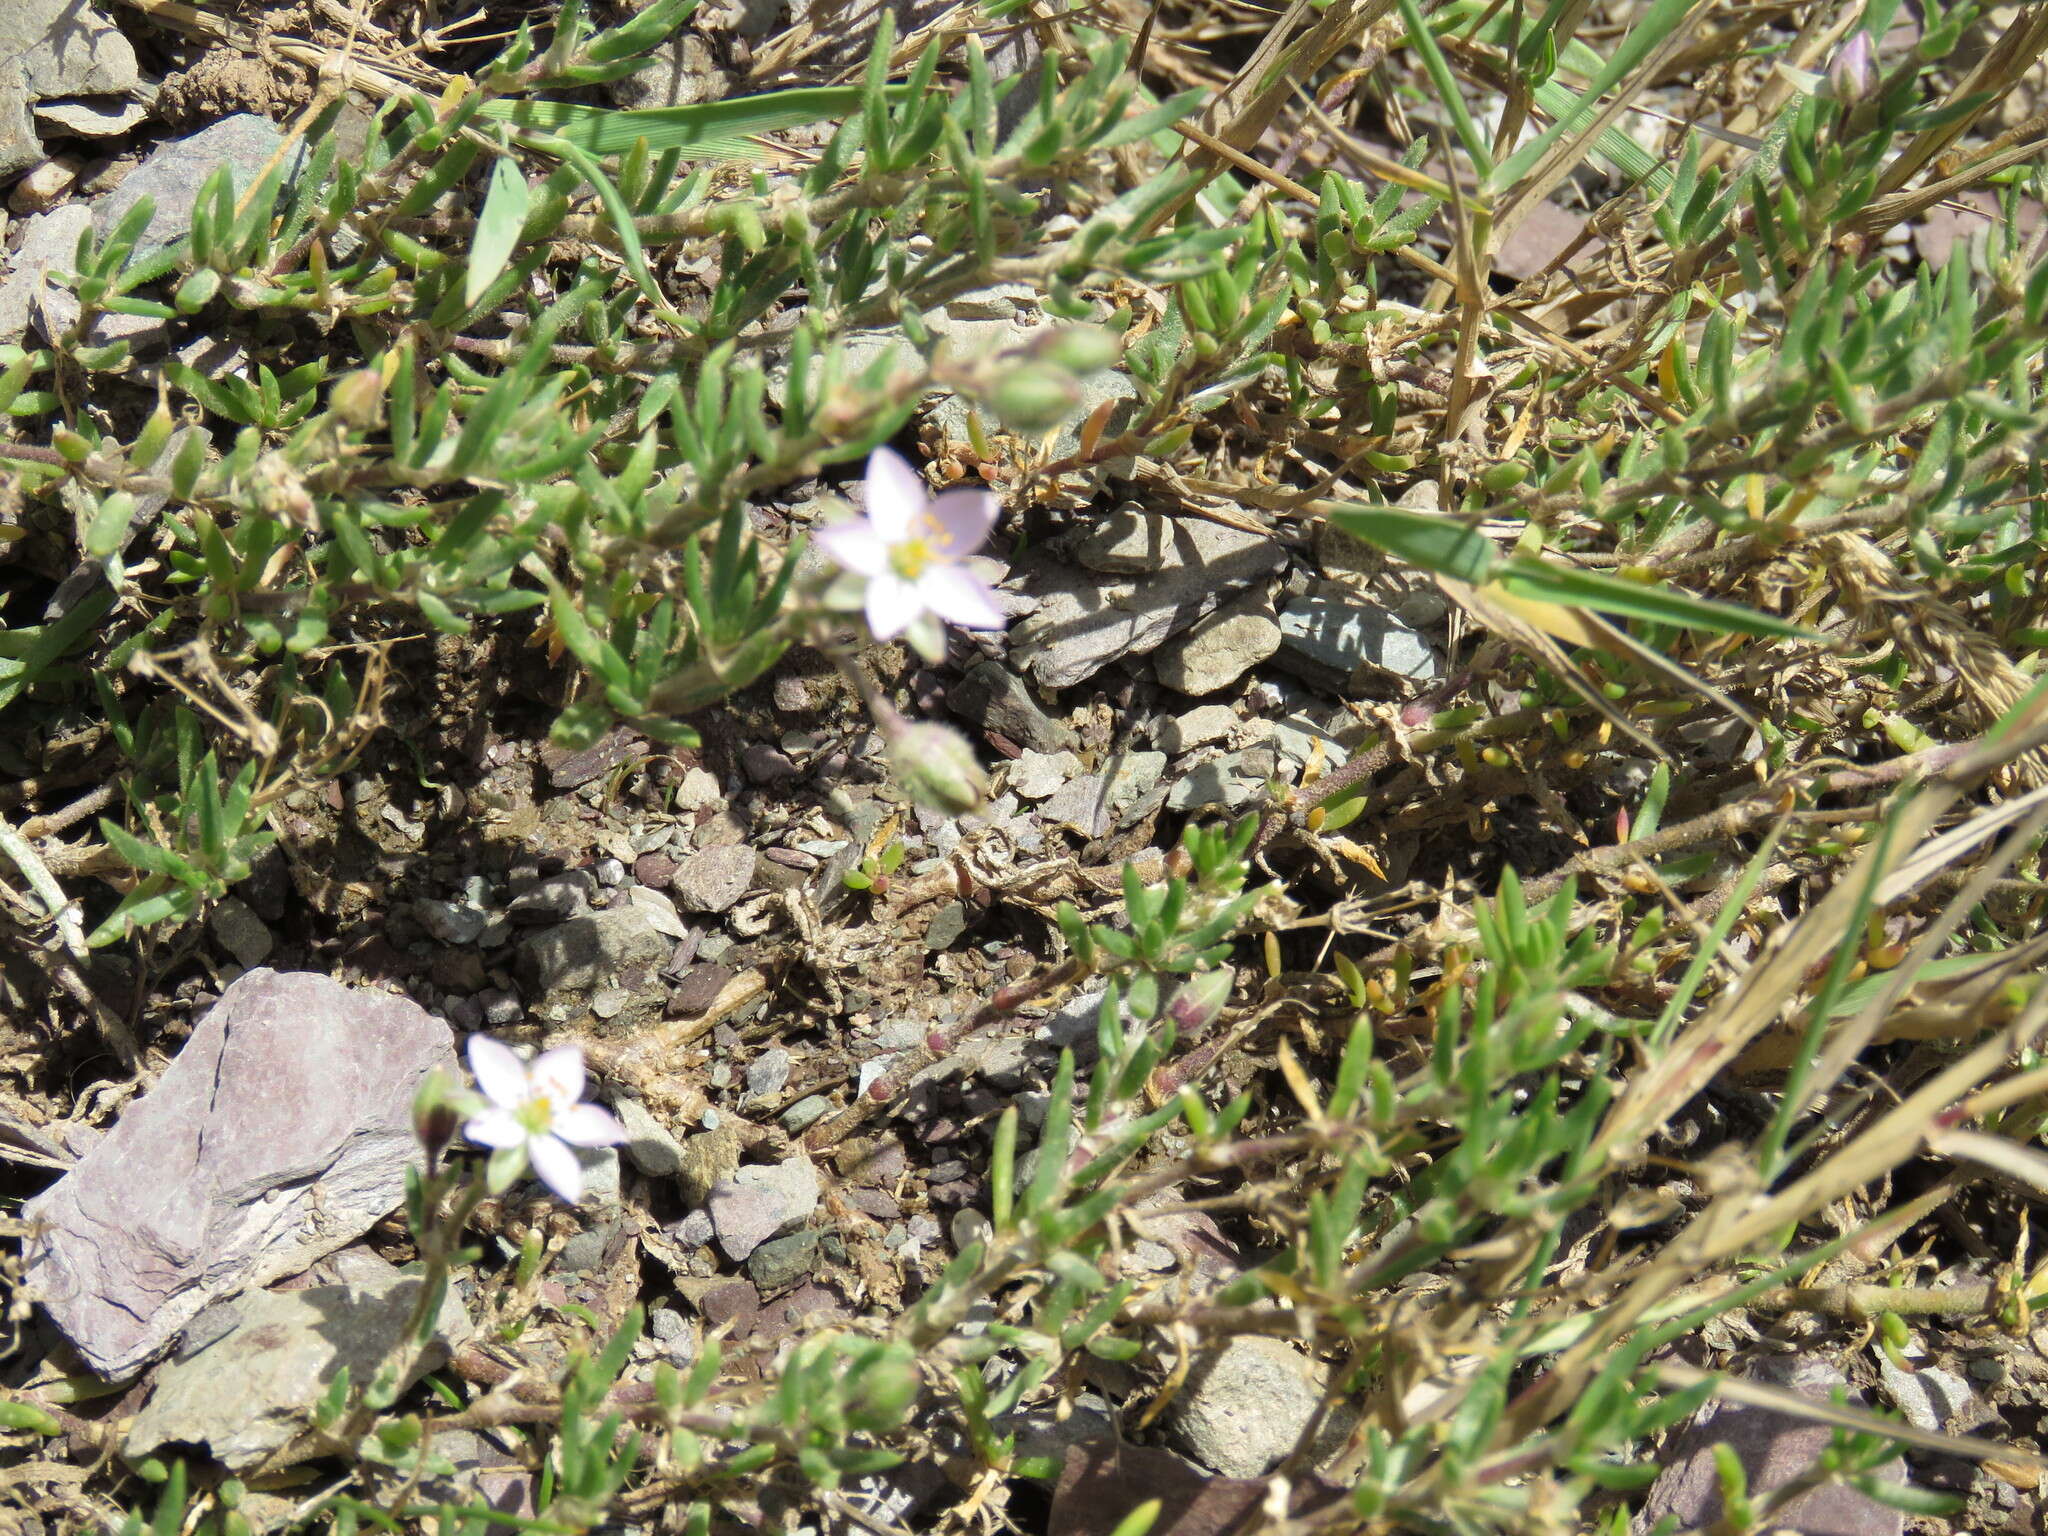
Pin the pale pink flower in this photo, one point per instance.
(536, 1115)
(911, 549)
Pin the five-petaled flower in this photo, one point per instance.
(536, 1116)
(911, 551)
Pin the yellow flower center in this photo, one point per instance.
(912, 558)
(537, 1114)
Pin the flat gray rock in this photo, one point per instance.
(281, 1132)
(251, 1391)
(713, 878)
(96, 117)
(649, 1143)
(1335, 642)
(1132, 776)
(1220, 649)
(1227, 781)
(1037, 774)
(1085, 620)
(1081, 805)
(1131, 541)
(1197, 728)
(757, 1203)
(49, 242)
(1931, 1398)
(451, 922)
(174, 172)
(995, 698)
(53, 48)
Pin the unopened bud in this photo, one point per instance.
(936, 766)
(1854, 71)
(1080, 348)
(153, 438)
(1036, 397)
(1200, 1000)
(358, 399)
(434, 1115)
(281, 492)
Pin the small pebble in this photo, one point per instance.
(768, 1074)
(767, 765)
(610, 872)
(695, 1229)
(555, 899)
(947, 924)
(698, 791)
(969, 1226)
(1196, 728)
(501, 1008)
(804, 1113)
(450, 922)
(667, 1324)
(41, 187)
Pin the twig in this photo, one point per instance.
(1862, 1300)
(56, 821)
(56, 905)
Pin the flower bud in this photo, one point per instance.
(1200, 1000)
(936, 767)
(1080, 348)
(434, 1115)
(151, 441)
(358, 399)
(1854, 70)
(1036, 397)
(281, 492)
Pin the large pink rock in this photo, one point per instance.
(281, 1132)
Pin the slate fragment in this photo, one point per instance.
(567, 770)
(49, 242)
(995, 698)
(760, 1202)
(1774, 1448)
(251, 1391)
(568, 967)
(1340, 644)
(173, 173)
(1086, 620)
(51, 48)
(280, 1133)
(1105, 1480)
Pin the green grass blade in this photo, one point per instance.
(711, 130)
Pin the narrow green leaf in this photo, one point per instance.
(497, 228)
(712, 130)
(1433, 543)
(1542, 581)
